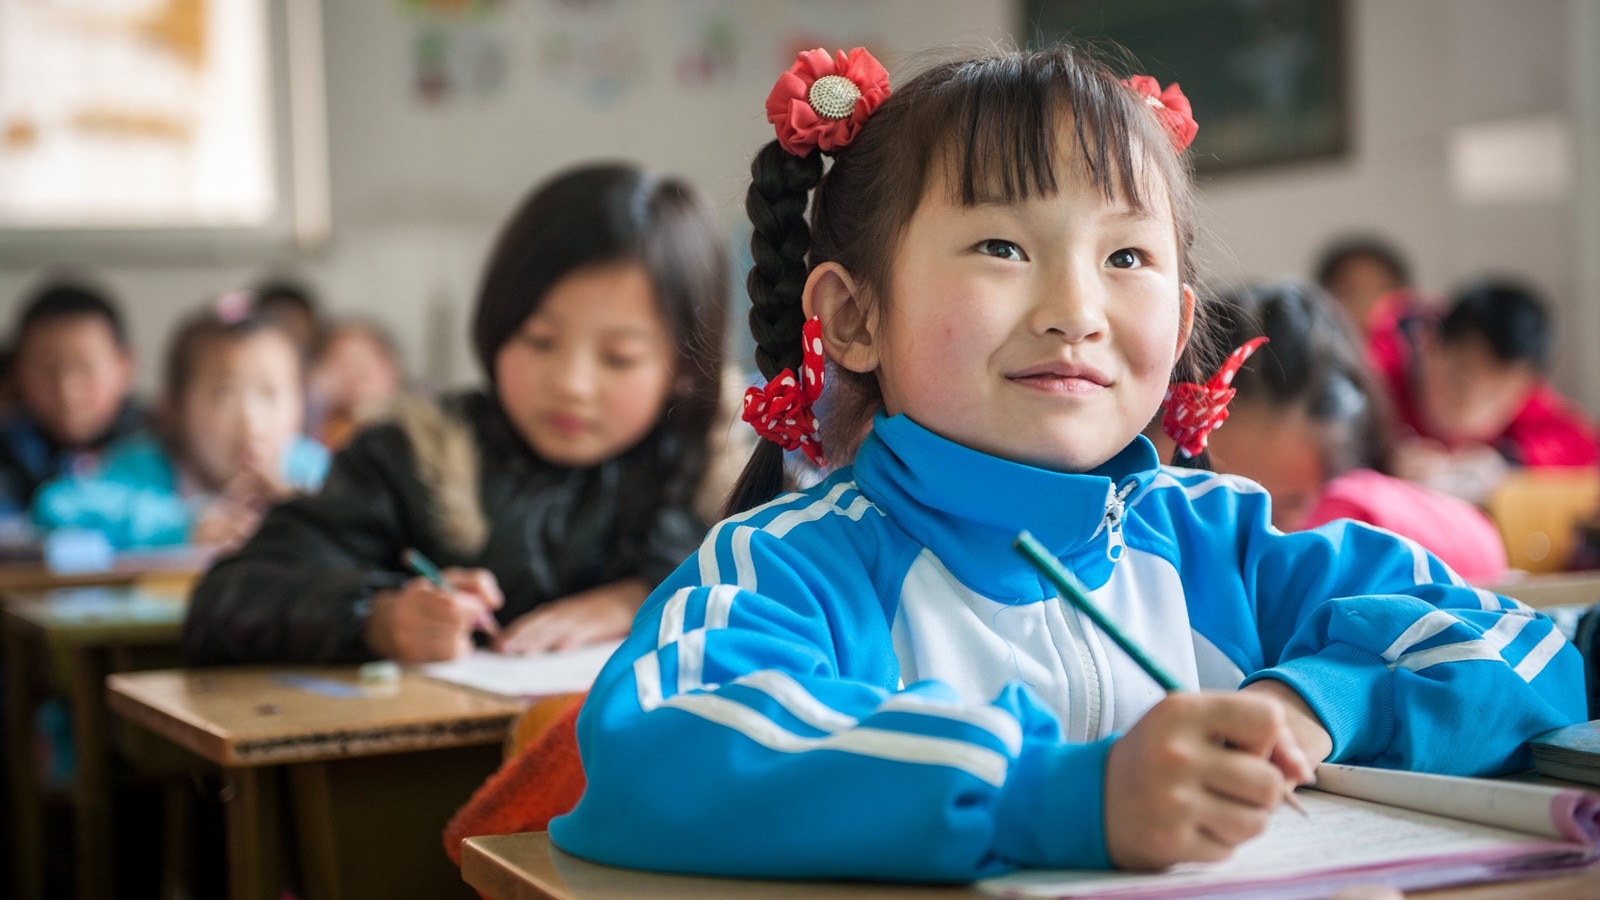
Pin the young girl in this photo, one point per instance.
(556, 499)
(864, 679)
(228, 444)
(1309, 425)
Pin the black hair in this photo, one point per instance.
(1376, 249)
(280, 293)
(1507, 316)
(1313, 364)
(991, 124)
(601, 214)
(67, 299)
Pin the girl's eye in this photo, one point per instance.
(619, 361)
(1125, 259)
(539, 342)
(1000, 248)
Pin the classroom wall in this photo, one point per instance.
(418, 190)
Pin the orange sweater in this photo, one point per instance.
(543, 780)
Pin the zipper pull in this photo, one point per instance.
(1116, 508)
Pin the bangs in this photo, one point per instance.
(997, 123)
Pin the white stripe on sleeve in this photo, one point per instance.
(980, 762)
(1540, 655)
(1428, 625)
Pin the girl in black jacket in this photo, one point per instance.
(556, 498)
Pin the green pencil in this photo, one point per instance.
(1072, 591)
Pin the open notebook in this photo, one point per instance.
(534, 675)
(1369, 826)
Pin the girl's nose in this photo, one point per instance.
(575, 374)
(1071, 306)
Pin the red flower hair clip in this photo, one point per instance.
(822, 101)
(781, 411)
(1177, 117)
(1196, 410)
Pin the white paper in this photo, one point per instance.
(1304, 856)
(535, 675)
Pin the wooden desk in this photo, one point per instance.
(175, 568)
(1556, 589)
(405, 753)
(80, 635)
(528, 867)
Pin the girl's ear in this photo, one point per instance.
(847, 327)
(1186, 302)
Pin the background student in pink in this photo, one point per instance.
(1478, 378)
(1310, 424)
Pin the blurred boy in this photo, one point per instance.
(1479, 379)
(72, 372)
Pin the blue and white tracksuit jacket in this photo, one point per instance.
(865, 679)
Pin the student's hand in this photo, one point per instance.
(598, 614)
(1196, 777)
(1313, 739)
(224, 523)
(258, 486)
(420, 622)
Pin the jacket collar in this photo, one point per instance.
(967, 506)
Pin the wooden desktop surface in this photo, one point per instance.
(527, 867)
(87, 616)
(259, 716)
(177, 566)
(1554, 589)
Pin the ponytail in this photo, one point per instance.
(780, 186)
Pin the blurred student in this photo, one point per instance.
(1310, 425)
(294, 306)
(556, 497)
(1359, 272)
(72, 375)
(227, 444)
(1476, 381)
(356, 375)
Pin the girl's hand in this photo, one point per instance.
(421, 622)
(599, 614)
(1200, 774)
(1314, 741)
(258, 486)
(224, 523)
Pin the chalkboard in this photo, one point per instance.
(1266, 77)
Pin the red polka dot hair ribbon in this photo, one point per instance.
(781, 411)
(1195, 410)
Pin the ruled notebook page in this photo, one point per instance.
(1340, 833)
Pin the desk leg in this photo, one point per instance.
(314, 832)
(254, 844)
(91, 788)
(27, 844)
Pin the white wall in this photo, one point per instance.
(418, 192)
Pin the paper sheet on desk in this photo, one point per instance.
(536, 675)
(1344, 842)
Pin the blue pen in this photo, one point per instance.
(1073, 592)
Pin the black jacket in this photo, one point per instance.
(453, 481)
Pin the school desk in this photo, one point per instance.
(528, 867)
(78, 635)
(372, 771)
(1554, 589)
(175, 567)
